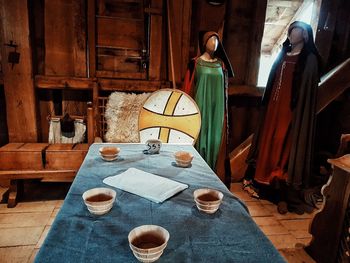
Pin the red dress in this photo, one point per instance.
(275, 141)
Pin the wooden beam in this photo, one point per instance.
(333, 84)
(120, 75)
(279, 3)
(132, 85)
(18, 80)
(53, 82)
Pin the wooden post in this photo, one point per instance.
(173, 78)
(18, 78)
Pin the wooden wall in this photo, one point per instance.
(3, 121)
(65, 38)
(18, 78)
(333, 42)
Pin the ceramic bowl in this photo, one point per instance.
(208, 200)
(99, 200)
(148, 242)
(183, 159)
(109, 153)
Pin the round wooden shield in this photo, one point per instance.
(171, 116)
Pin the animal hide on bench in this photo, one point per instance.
(122, 116)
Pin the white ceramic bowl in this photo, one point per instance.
(183, 159)
(109, 153)
(148, 242)
(208, 200)
(99, 200)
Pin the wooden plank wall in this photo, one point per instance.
(65, 38)
(205, 17)
(18, 80)
(180, 15)
(333, 42)
(243, 38)
(156, 45)
(336, 30)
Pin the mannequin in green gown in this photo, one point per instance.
(209, 78)
(206, 81)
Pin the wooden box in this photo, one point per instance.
(65, 156)
(22, 156)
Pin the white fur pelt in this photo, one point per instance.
(122, 116)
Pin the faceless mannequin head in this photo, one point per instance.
(212, 44)
(297, 35)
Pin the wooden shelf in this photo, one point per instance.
(51, 82)
(54, 82)
(132, 85)
(119, 18)
(121, 75)
(120, 48)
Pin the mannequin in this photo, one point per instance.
(206, 81)
(281, 152)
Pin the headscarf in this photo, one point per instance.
(219, 52)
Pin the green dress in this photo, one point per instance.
(210, 97)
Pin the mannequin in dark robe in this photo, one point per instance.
(281, 153)
(206, 81)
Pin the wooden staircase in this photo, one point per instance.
(332, 84)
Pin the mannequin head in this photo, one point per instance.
(212, 44)
(298, 33)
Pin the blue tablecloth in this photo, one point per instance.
(229, 235)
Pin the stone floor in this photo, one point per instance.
(24, 228)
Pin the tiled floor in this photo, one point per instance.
(24, 228)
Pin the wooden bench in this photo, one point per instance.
(49, 163)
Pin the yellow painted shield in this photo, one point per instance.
(171, 116)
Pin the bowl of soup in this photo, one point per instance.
(99, 201)
(207, 200)
(147, 242)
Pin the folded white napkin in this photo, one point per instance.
(146, 185)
